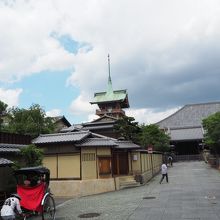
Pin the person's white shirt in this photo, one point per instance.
(9, 207)
(164, 169)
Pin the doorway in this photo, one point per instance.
(120, 163)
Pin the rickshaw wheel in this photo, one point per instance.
(48, 208)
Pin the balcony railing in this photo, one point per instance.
(113, 111)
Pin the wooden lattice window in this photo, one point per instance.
(88, 157)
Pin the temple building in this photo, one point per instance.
(110, 102)
(185, 127)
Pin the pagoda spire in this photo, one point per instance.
(109, 90)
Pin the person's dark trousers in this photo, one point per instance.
(164, 175)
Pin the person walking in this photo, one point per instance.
(170, 160)
(164, 172)
(10, 206)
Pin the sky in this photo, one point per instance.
(54, 53)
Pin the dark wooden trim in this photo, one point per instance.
(131, 153)
(111, 164)
(105, 174)
(62, 154)
(152, 164)
(67, 152)
(57, 164)
(80, 163)
(97, 163)
(141, 163)
(74, 178)
(104, 156)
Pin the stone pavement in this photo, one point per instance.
(193, 192)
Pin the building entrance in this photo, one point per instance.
(120, 163)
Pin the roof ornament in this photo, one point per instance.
(109, 90)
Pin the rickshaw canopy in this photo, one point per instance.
(40, 170)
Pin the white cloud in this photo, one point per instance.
(26, 44)
(164, 52)
(10, 96)
(149, 116)
(81, 106)
(53, 113)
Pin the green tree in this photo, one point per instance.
(211, 126)
(3, 112)
(127, 128)
(32, 121)
(152, 135)
(32, 156)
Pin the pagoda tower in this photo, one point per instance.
(111, 103)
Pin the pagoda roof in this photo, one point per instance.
(117, 95)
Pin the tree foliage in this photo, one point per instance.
(32, 156)
(32, 121)
(211, 125)
(3, 112)
(127, 128)
(151, 135)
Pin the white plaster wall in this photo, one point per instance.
(78, 188)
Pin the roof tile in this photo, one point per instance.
(61, 137)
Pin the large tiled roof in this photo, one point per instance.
(186, 123)
(11, 148)
(190, 115)
(61, 137)
(5, 162)
(186, 134)
(96, 142)
(126, 145)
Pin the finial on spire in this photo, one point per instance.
(109, 90)
(109, 72)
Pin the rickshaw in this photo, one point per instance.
(33, 188)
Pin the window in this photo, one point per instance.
(88, 157)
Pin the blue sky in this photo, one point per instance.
(49, 90)
(54, 53)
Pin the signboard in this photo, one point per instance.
(150, 149)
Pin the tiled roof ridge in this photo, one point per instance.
(185, 127)
(104, 116)
(12, 145)
(4, 161)
(120, 90)
(205, 103)
(97, 138)
(124, 141)
(64, 133)
(103, 136)
(98, 122)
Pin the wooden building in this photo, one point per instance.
(84, 163)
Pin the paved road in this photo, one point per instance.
(193, 192)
